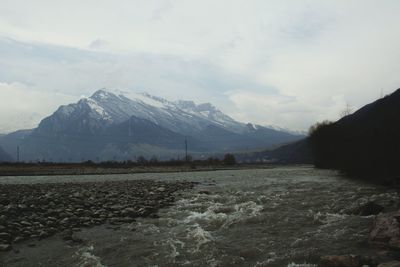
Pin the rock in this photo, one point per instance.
(22, 207)
(5, 236)
(43, 234)
(161, 189)
(18, 239)
(67, 234)
(25, 223)
(76, 239)
(131, 212)
(369, 208)
(64, 221)
(346, 261)
(5, 247)
(40, 210)
(114, 221)
(386, 230)
(390, 264)
(116, 207)
(249, 253)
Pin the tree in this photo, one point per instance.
(229, 159)
(154, 160)
(141, 160)
(346, 111)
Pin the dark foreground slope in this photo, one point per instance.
(364, 144)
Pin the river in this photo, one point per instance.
(283, 216)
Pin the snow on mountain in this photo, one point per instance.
(110, 125)
(180, 116)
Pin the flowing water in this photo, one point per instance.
(285, 216)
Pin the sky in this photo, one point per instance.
(284, 63)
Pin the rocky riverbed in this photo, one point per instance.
(36, 211)
(288, 216)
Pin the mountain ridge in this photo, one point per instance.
(89, 127)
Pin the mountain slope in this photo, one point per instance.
(365, 144)
(298, 152)
(4, 157)
(119, 126)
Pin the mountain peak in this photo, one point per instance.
(102, 94)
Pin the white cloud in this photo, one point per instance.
(293, 61)
(22, 107)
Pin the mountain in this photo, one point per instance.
(4, 157)
(121, 125)
(298, 152)
(365, 144)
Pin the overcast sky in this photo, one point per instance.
(285, 63)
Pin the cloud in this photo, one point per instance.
(22, 107)
(295, 61)
(98, 44)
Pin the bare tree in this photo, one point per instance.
(346, 111)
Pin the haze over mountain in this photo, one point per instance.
(120, 126)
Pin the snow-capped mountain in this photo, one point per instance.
(121, 125)
(105, 108)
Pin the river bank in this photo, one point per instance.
(81, 169)
(37, 211)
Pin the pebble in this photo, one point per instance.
(5, 247)
(36, 211)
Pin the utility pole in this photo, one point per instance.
(17, 153)
(186, 154)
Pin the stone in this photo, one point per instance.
(22, 207)
(76, 239)
(369, 208)
(41, 210)
(18, 239)
(116, 207)
(161, 189)
(5, 247)
(386, 230)
(5, 236)
(64, 221)
(346, 261)
(131, 212)
(67, 234)
(43, 234)
(390, 264)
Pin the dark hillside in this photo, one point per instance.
(364, 144)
